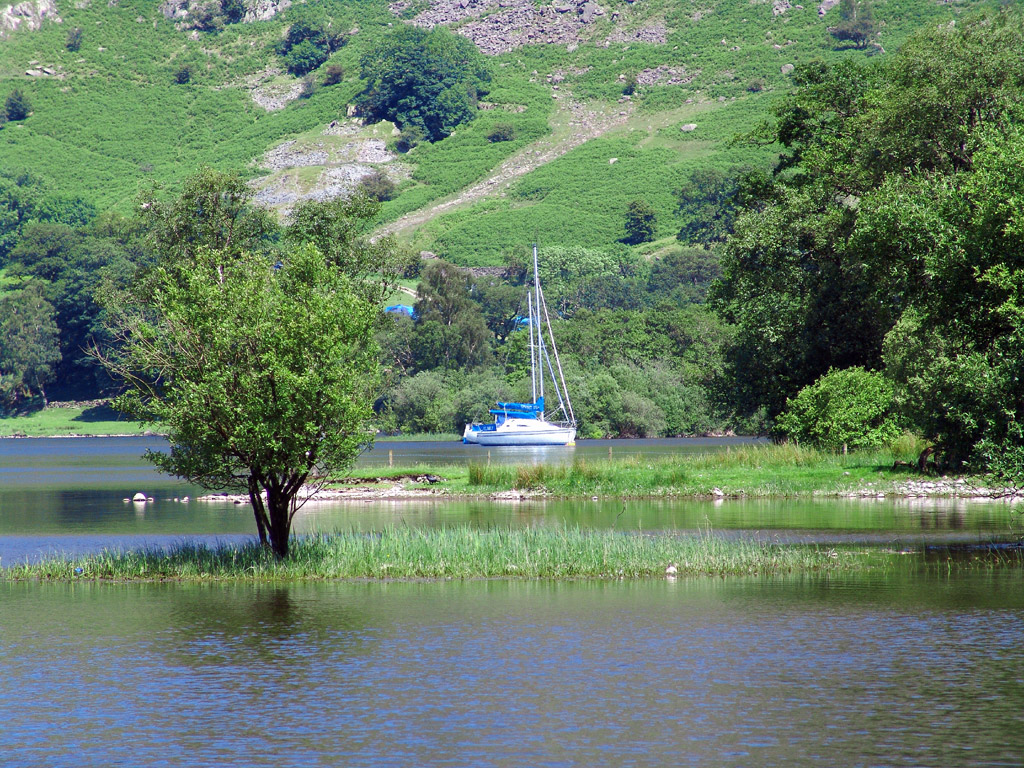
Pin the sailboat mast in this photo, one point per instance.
(533, 364)
(536, 303)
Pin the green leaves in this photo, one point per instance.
(28, 344)
(17, 106)
(255, 372)
(450, 331)
(425, 80)
(844, 408)
(261, 369)
(641, 222)
(214, 211)
(894, 220)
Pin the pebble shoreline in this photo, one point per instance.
(389, 490)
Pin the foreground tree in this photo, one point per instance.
(214, 210)
(263, 376)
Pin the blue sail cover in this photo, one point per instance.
(520, 410)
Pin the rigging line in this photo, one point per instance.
(558, 392)
(558, 362)
(567, 412)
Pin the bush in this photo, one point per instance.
(304, 57)
(377, 186)
(639, 417)
(334, 74)
(423, 403)
(756, 85)
(74, 39)
(183, 75)
(502, 132)
(630, 86)
(17, 106)
(233, 10)
(410, 137)
(473, 401)
(640, 223)
(308, 87)
(683, 275)
(307, 44)
(849, 408)
(1003, 460)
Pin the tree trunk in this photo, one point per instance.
(272, 512)
(279, 506)
(259, 510)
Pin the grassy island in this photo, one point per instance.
(465, 553)
(405, 553)
(755, 470)
(749, 471)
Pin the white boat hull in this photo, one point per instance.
(469, 434)
(527, 432)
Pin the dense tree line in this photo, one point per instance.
(642, 355)
(642, 351)
(55, 254)
(58, 258)
(889, 238)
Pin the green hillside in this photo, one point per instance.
(110, 119)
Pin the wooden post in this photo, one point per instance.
(391, 458)
(609, 452)
(488, 458)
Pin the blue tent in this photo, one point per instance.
(401, 309)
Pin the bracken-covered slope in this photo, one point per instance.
(110, 119)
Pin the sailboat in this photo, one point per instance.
(527, 423)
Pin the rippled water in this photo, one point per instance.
(902, 669)
(906, 670)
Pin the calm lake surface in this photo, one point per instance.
(907, 668)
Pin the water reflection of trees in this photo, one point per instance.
(264, 625)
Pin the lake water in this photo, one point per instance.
(907, 668)
(900, 671)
